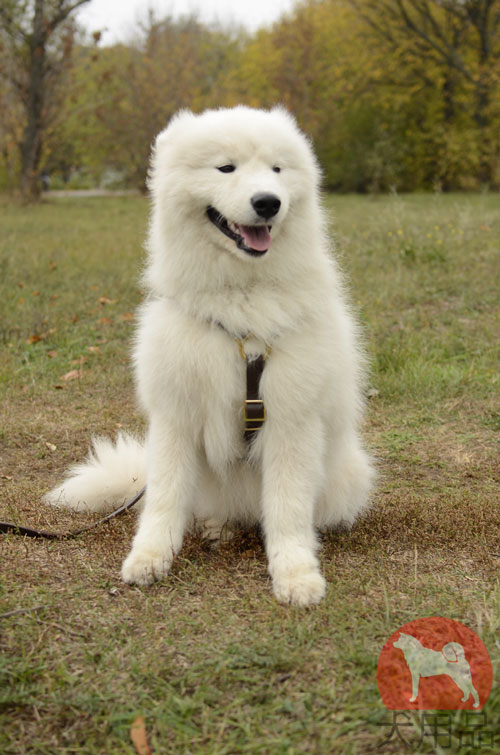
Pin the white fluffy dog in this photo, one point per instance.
(237, 250)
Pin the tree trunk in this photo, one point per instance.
(31, 145)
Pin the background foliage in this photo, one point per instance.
(396, 94)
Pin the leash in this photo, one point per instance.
(254, 415)
(18, 529)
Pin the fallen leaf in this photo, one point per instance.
(21, 284)
(5, 477)
(75, 318)
(105, 321)
(104, 300)
(139, 737)
(72, 375)
(59, 387)
(128, 316)
(52, 354)
(53, 265)
(35, 293)
(80, 360)
(50, 446)
(35, 338)
(54, 297)
(94, 349)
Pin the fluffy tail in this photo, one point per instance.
(111, 475)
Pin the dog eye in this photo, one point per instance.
(276, 169)
(227, 168)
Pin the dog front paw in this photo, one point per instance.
(143, 568)
(301, 586)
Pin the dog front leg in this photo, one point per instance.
(415, 680)
(292, 478)
(172, 472)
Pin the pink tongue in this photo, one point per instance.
(256, 236)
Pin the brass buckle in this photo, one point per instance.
(259, 421)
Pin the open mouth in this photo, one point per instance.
(252, 239)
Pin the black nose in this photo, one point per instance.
(266, 205)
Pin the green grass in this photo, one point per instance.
(208, 658)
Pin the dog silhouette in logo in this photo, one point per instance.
(423, 661)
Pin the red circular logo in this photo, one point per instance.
(434, 664)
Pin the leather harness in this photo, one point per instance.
(254, 411)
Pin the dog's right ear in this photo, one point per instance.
(175, 124)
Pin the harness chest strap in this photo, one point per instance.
(254, 411)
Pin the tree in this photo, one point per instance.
(117, 101)
(10, 118)
(321, 66)
(463, 38)
(39, 40)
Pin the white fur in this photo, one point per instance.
(306, 467)
(111, 475)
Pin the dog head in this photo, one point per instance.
(231, 177)
(404, 641)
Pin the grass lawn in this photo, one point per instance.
(207, 658)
